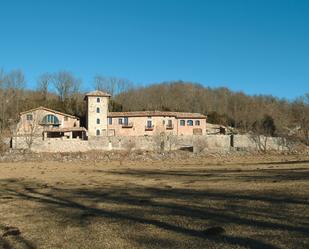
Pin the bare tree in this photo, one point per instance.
(43, 83)
(67, 87)
(112, 85)
(159, 141)
(15, 80)
(301, 115)
(171, 140)
(31, 129)
(263, 129)
(13, 85)
(65, 84)
(2, 76)
(2, 106)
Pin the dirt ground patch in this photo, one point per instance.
(252, 202)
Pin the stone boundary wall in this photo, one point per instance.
(159, 143)
(252, 142)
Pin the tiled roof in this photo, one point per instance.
(49, 110)
(156, 113)
(98, 94)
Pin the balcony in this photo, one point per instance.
(169, 126)
(127, 125)
(149, 127)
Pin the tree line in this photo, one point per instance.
(62, 91)
(262, 114)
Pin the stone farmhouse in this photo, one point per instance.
(100, 122)
(45, 130)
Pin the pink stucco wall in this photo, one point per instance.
(191, 130)
(137, 126)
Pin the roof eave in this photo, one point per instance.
(50, 110)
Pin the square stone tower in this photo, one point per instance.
(97, 110)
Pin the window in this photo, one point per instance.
(197, 122)
(98, 132)
(126, 120)
(190, 122)
(98, 121)
(169, 122)
(29, 117)
(149, 124)
(50, 119)
(110, 121)
(98, 100)
(120, 121)
(182, 123)
(65, 118)
(98, 109)
(163, 122)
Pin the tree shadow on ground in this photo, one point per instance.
(138, 204)
(215, 174)
(19, 240)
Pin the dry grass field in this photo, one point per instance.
(165, 204)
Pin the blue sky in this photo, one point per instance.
(255, 46)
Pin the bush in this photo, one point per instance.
(3, 145)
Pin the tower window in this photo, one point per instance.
(98, 133)
(149, 124)
(98, 121)
(98, 109)
(29, 117)
(98, 100)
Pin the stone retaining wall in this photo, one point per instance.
(252, 142)
(151, 143)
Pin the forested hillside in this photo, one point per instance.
(258, 113)
(222, 106)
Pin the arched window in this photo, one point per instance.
(50, 119)
(182, 123)
(98, 100)
(197, 122)
(98, 109)
(190, 122)
(98, 121)
(98, 132)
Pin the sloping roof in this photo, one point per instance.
(49, 110)
(98, 93)
(156, 113)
